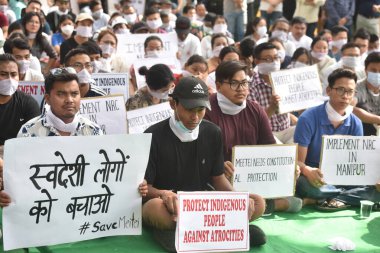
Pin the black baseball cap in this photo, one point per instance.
(191, 92)
(182, 24)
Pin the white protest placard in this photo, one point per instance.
(140, 119)
(35, 89)
(267, 170)
(212, 222)
(171, 62)
(72, 188)
(113, 83)
(132, 45)
(108, 112)
(350, 160)
(299, 88)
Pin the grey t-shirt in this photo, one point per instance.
(366, 99)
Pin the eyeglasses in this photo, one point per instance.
(342, 91)
(270, 59)
(235, 85)
(59, 71)
(80, 66)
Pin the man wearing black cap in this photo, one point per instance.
(188, 44)
(186, 155)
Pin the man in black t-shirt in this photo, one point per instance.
(186, 155)
(16, 107)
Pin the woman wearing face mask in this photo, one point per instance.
(65, 30)
(218, 42)
(110, 61)
(196, 66)
(319, 54)
(257, 29)
(219, 25)
(160, 82)
(31, 23)
(119, 25)
(300, 58)
(285, 59)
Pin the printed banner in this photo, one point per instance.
(267, 170)
(113, 83)
(141, 119)
(35, 89)
(132, 45)
(350, 160)
(299, 88)
(108, 112)
(212, 222)
(73, 188)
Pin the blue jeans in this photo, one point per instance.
(235, 23)
(311, 29)
(270, 18)
(350, 195)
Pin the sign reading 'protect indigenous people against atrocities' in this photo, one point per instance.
(350, 160)
(108, 112)
(212, 222)
(141, 119)
(299, 88)
(268, 170)
(113, 83)
(73, 188)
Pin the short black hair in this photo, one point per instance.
(316, 39)
(227, 50)
(300, 51)
(34, 1)
(226, 70)
(362, 33)
(261, 47)
(279, 20)
(187, 8)
(63, 18)
(218, 17)
(95, 3)
(247, 46)
(65, 76)
(151, 11)
(74, 52)
(91, 47)
(17, 43)
(337, 29)
(340, 73)
(372, 58)
(373, 38)
(4, 58)
(298, 20)
(14, 26)
(150, 38)
(349, 45)
(217, 35)
(196, 58)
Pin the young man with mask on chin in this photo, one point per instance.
(334, 117)
(186, 155)
(242, 122)
(16, 107)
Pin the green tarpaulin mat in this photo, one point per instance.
(306, 232)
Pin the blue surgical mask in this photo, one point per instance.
(374, 79)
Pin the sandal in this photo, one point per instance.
(332, 205)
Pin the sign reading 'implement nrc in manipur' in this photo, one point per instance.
(212, 222)
(73, 188)
(108, 112)
(268, 170)
(35, 89)
(350, 160)
(299, 88)
(113, 83)
(141, 119)
(132, 45)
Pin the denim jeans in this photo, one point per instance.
(235, 23)
(270, 18)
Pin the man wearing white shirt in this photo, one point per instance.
(298, 33)
(100, 18)
(188, 44)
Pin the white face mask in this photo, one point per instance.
(216, 50)
(31, 35)
(84, 76)
(351, 61)
(220, 28)
(267, 67)
(8, 87)
(166, 11)
(184, 134)
(106, 64)
(262, 31)
(84, 31)
(60, 13)
(3, 8)
(107, 49)
(59, 124)
(122, 31)
(97, 66)
(338, 43)
(283, 36)
(281, 53)
(373, 93)
(154, 24)
(130, 18)
(318, 55)
(159, 95)
(67, 29)
(334, 116)
(227, 107)
(153, 54)
(374, 79)
(23, 65)
(97, 14)
(298, 64)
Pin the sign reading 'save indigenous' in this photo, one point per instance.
(72, 188)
